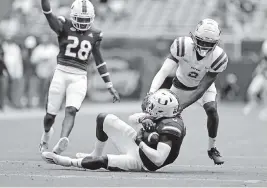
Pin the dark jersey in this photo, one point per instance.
(75, 47)
(175, 130)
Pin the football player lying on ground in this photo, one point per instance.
(154, 146)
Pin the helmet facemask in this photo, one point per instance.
(202, 46)
(82, 23)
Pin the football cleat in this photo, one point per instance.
(53, 158)
(48, 157)
(215, 155)
(61, 145)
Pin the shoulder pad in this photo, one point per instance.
(172, 126)
(219, 60)
(180, 46)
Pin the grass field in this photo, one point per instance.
(242, 141)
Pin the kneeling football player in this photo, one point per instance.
(154, 146)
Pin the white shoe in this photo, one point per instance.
(53, 158)
(45, 140)
(82, 155)
(48, 157)
(61, 145)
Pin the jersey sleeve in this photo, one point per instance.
(177, 48)
(98, 35)
(174, 127)
(220, 62)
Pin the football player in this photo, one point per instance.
(137, 153)
(199, 60)
(258, 84)
(77, 40)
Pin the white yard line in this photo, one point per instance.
(173, 165)
(120, 177)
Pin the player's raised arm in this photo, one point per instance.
(103, 71)
(55, 23)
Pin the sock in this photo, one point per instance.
(76, 162)
(211, 143)
(99, 147)
(46, 136)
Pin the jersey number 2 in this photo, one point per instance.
(84, 50)
(193, 74)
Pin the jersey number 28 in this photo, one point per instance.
(84, 50)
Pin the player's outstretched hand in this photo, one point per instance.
(116, 96)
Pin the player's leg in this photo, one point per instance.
(209, 103)
(56, 94)
(119, 132)
(75, 94)
(253, 90)
(263, 113)
(109, 162)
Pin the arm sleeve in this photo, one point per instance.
(158, 156)
(165, 70)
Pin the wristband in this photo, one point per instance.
(47, 12)
(109, 85)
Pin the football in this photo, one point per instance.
(151, 138)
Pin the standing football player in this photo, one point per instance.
(199, 60)
(258, 85)
(77, 40)
(156, 145)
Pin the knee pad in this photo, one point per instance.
(70, 110)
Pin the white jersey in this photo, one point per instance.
(191, 71)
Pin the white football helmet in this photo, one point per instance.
(82, 14)
(206, 36)
(162, 103)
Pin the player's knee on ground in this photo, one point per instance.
(49, 120)
(211, 109)
(71, 111)
(94, 163)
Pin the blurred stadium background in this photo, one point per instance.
(137, 34)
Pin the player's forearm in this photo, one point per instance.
(103, 72)
(137, 117)
(158, 156)
(165, 70)
(53, 21)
